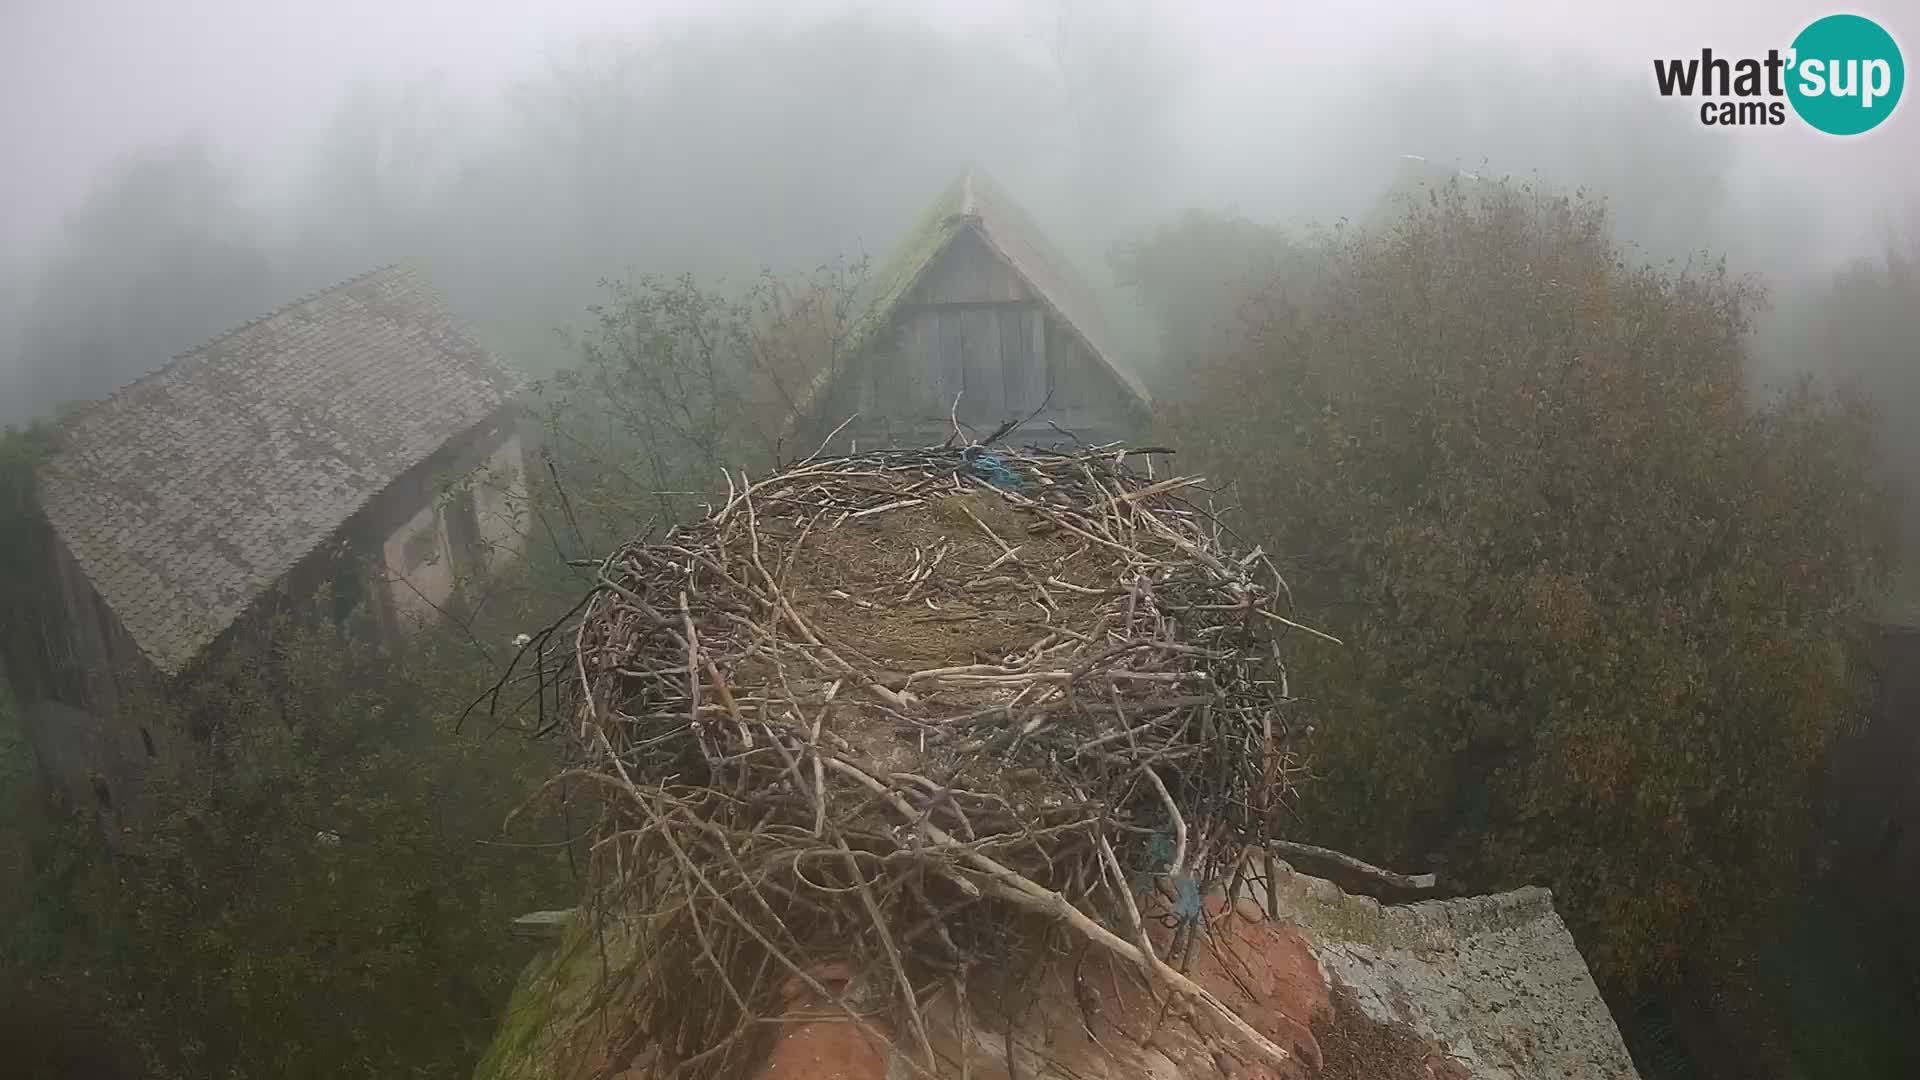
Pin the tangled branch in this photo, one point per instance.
(882, 720)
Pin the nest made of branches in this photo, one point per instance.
(883, 722)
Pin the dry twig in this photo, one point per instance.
(1122, 684)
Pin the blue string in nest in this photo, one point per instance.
(992, 469)
(1186, 905)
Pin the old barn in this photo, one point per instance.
(359, 441)
(978, 317)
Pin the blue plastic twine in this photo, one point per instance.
(1186, 890)
(993, 470)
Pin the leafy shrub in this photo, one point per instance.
(1863, 329)
(678, 381)
(23, 538)
(1596, 607)
(312, 891)
(1199, 275)
(311, 887)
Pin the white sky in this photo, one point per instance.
(84, 80)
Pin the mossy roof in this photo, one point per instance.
(546, 1031)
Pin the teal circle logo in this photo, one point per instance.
(1846, 74)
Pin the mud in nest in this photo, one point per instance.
(883, 720)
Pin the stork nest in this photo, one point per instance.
(886, 719)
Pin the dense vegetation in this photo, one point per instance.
(677, 380)
(318, 883)
(1597, 608)
(21, 537)
(1865, 324)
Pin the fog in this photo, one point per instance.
(176, 169)
(1591, 588)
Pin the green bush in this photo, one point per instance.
(312, 887)
(678, 381)
(23, 552)
(313, 890)
(1200, 275)
(1862, 330)
(1596, 606)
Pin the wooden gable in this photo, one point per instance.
(973, 327)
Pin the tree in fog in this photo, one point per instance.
(721, 148)
(1596, 608)
(724, 147)
(15, 407)
(1118, 87)
(162, 256)
(313, 891)
(375, 187)
(679, 385)
(1865, 330)
(1667, 189)
(1196, 275)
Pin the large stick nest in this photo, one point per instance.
(883, 720)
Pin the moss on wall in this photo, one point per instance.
(558, 999)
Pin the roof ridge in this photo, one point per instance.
(1019, 239)
(286, 307)
(969, 191)
(171, 362)
(1465, 916)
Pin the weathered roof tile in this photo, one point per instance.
(187, 493)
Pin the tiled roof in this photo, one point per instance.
(190, 491)
(1495, 981)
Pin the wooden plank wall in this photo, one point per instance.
(973, 327)
(1024, 358)
(1080, 382)
(969, 272)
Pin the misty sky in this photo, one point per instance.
(233, 154)
(82, 81)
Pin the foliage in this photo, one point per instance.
(21, 450)
(678, 382)
(1596, 608)
(16, 767)
(160, 257)
(1197, 274)
(1863, 328)
(311, 891)
(22, 541)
